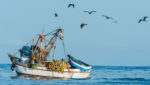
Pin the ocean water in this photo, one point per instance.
(100, 75)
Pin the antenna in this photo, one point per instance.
(43, 29)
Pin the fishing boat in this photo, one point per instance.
(38, 59)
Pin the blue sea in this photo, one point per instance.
(100, 75)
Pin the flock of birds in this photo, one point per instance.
(144, 19)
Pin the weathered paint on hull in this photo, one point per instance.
(43, 72)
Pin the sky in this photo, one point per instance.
(101, 42)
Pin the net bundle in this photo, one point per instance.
(58, 65)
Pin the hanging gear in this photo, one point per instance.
(61, 36)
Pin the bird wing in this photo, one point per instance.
(145, 18)
(81, 25)
(73, 5)
(85, 11)
(69, 5)
(103, 15)
(111, 18)
(93, 11)
(56, 15)
(139, 20)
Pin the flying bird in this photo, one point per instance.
(56, 15)
(144, 19)
(71, 5)
(107, 17)
(90, 12)
(82, 25)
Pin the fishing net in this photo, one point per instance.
(58, 65)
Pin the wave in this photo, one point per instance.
(126, 79)
(121, 68)
(133, 79)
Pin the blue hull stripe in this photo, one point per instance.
(77, 66)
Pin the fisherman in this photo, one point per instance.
(30, 63)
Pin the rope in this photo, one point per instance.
(31, 40)
(49, 33)
(26, 44)
(64, 49)
(54, 49)
(16, 53)
(53, 53)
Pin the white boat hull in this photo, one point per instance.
(43, 72)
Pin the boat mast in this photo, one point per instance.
(51, 43)
(48, 47)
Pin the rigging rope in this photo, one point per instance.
(31, 40)
(54, 49)
(49, 33)
(27, 44)
(64, 49)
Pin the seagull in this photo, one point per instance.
(71, 5)
(107, 17)
(56, 15)
(82, 25)
(144, 19)
(90, 12)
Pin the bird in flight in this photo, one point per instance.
(82, 25)
(71, 5)
(90, 12)
(56, 15)
(144, 19)
(107, 17)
